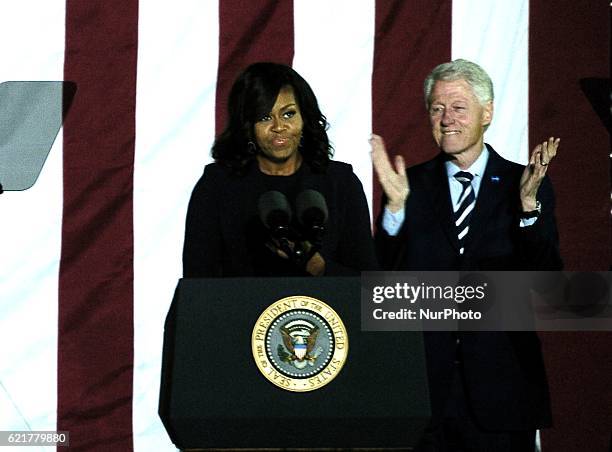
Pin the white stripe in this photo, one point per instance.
(465, 195)
(334, 46)
(465, 213)
(177, 70)
(495, 35)
(463, 233)
(467, 210)
(32, 33)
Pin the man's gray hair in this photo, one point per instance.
(461, 69)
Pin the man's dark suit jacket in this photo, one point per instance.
(504, 375)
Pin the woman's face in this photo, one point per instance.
(278, 134)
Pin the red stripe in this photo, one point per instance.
(250, 32)
(411, 39)
(569, 41)
(559, 107)
(95, 356)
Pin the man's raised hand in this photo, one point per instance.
(394, 181)
(535, 171)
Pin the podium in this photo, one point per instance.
(214, 396)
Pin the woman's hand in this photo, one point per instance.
(303, 254)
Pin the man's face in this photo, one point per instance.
(458, 119)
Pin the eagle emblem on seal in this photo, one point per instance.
(300, 343)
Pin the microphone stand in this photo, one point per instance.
(301, 247)
(303, 253)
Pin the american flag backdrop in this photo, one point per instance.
(90, 256)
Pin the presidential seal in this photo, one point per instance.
(299, 343)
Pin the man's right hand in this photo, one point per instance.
(393, 180)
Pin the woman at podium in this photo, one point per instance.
(273, 203)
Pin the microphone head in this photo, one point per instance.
(274, 211)
(311, 208)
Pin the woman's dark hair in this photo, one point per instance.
(252, 97)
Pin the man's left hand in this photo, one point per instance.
(535, 171)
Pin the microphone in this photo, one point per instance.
(312, 214)
(275, 213)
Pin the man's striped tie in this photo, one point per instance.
(464, 207)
